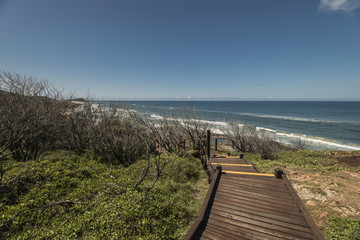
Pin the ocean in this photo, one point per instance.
(326, 125)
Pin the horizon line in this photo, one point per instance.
(229, 99)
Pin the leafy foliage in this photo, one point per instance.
(69, 196)
(343, 228)
(313, 160)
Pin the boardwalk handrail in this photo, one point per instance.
(213, 175)
(303, 209)
(204, 150)
(200, 218)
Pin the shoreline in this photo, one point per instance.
(287, 137)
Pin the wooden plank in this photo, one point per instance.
(241, 231)
(271, 197)
(238, 231)
(259, 192)
(232, 164)
(228, 233)
(260, 184)
(208, 235)
(239, 169)
(249, 173)
(269, 208)
(261, 207)
(252, 229)
(250, 197)
(260, 226)
(219, 233)
(249, 180)
(265, 202)
(261, 219)
(264, 213)
(258, 187)
(229, 160)
(202, 238)
(255, 178)
(258, 196)
(226, 156)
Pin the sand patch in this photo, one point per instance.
(331, 194)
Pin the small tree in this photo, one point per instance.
(242, 138)
(248, 139)
(81, 122)
(194, 128)
(266, 146)
(301, 143)
(31, 115)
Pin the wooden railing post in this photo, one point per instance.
(278, 172)
(216, 144)
(208, 143)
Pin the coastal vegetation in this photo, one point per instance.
(247, 139)
(64, 195)
(73, 169)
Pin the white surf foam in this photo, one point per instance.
(155, 116)
(292, 138)
(288, 138)
(317, 142)
(296, 118)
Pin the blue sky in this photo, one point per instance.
(241, 49)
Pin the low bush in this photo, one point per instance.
(246, 139)
(66, 196)
(343, 228)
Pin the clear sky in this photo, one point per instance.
(241, 49)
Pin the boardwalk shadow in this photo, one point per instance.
(209, 208)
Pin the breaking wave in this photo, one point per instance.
(296, 118)
(313, 142)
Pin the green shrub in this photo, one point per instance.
(313, 160)
(343, 228)
(99, 206)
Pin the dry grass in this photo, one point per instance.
(331, 194)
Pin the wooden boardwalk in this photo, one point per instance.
(243, 203)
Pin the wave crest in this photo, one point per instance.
(297, 118)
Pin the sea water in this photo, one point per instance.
(321, 125)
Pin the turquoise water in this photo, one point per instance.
(324, 125)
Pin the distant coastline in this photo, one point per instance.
(221, 99)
